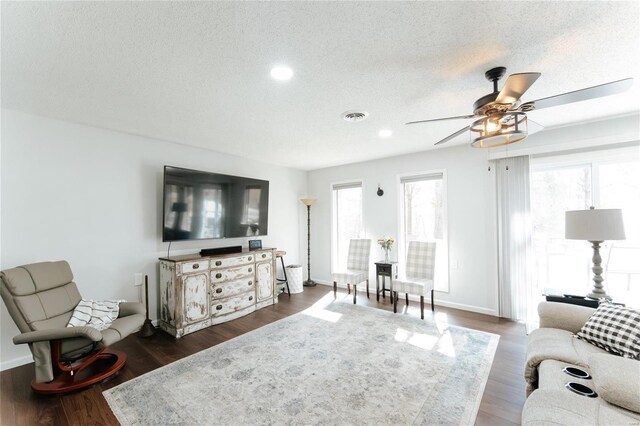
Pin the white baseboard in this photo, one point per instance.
(16, 362)
(453, 305)
(470, 308)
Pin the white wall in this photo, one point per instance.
(469, 210)
(470, 201)
(94, 198)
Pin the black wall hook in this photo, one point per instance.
(380, 192)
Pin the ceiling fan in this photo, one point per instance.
(500, 117)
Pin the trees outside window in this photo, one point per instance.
(423, 208)
(347, 220)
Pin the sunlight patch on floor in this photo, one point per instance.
(442, 322)
(317, 310)
(443, 343)
(421, 340)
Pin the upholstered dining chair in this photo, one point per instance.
(357, 267)
(418, 274)
(41, 298)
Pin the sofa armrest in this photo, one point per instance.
(563, 316)
(617, 380)
(58, 334)
(131, 308)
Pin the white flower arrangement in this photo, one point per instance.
(386, 243)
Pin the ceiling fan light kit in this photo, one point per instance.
(501, 119)
(498, 130)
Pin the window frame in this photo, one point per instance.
(445, 214)
(593, 159)
(334, 227)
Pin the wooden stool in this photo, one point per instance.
(280, 254)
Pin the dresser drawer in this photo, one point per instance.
(232, 304)
(198, 266)
(227, 262)
(230, 274)
(267, 255)
(231, 288)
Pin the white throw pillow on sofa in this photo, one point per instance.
(615, 329)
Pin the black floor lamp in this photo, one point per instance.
(308, 202)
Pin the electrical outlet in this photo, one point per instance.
(137, 279)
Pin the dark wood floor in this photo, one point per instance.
(502, 402)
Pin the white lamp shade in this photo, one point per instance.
(594, 225)
(308, 201)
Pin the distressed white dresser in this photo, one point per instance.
(199, 291)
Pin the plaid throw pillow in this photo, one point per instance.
(615, 329)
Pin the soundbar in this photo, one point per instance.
(220, 250)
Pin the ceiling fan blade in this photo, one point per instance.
(453, 135)
(442, 119)
(515, 87)
(599, 91)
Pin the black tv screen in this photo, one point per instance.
(201, 205)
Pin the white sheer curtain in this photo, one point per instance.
(514, 237)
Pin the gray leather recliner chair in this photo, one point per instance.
(40, 298)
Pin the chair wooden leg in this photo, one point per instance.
(367, 289)
(335, 289)
(406, 295)
(349, 288)
(355, 290)
(432, 310)
(395, 301)
(421, 307)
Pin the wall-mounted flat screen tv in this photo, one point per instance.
(201, 205)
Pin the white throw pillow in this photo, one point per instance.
(615, 329)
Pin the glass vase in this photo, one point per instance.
(386, 256)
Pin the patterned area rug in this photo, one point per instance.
(333, 364)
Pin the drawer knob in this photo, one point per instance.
(250, 269)
(250, 297)
(218, 275)
(218, 263)
(195, 266)
(218, 290)
(218, 307)
(250, 283)
(264, 255)
(250, 258)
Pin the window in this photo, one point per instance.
(347, 220)
(423, 218)
(604, 179)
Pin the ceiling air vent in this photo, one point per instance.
(354, 116)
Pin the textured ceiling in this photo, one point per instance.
(198, 73)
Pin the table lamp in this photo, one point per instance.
(595, 225)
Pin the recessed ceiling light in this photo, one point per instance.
(281, 73)
(385, 133)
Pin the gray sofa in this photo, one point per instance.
(550, 349)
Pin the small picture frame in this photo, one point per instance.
(255, 244)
